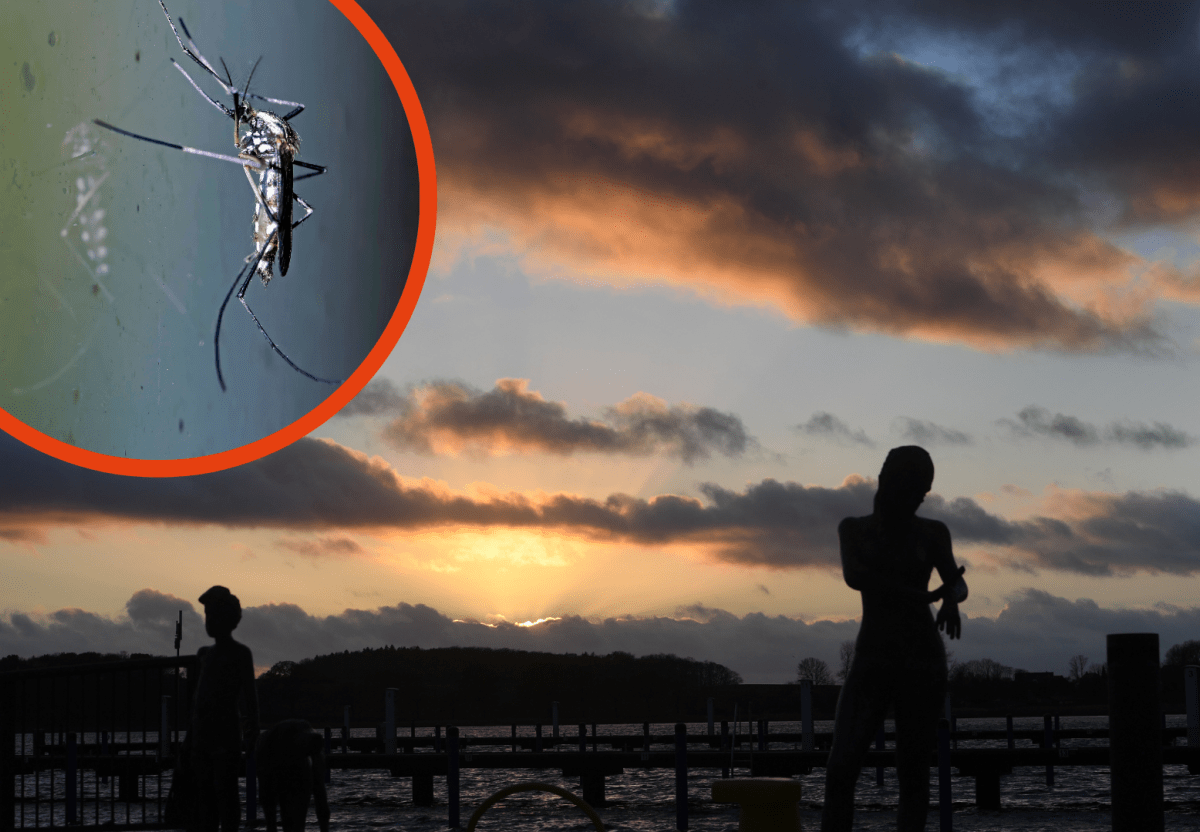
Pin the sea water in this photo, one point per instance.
(643, 800)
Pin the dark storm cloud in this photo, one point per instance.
(379, 396)
(1034, 631)
(1038, 421)
(318, 486)
(829, 426)
(922, 432)
(450, 416)
(751, 151)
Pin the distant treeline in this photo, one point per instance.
(985, 683)
(475, 685)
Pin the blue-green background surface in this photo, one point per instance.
(123, 365)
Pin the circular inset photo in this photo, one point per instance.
(217, 221)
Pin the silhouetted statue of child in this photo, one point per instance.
(899, 658)
(224, 713)
(291, 768)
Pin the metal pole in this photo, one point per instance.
(945, 798)
(681, 793)
(452, 774)
(879, 747)
(251, 789)
(1048, 747)
(1135, 733)
(72, 770)
(389, 721)
(164, 729)
(328, 748)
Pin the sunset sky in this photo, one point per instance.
(699, 265)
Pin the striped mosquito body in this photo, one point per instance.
(273, 142)
(267, 145)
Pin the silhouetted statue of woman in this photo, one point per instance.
(224, 713)
(899, 658)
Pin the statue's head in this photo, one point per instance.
(222, 611)
(904, 480)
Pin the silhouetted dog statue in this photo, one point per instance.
(291, 767)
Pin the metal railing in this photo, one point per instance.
(92, 746)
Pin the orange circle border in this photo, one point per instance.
(427, 179)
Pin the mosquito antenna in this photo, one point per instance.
(250, 77)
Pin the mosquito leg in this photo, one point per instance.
(241, 297)
(261, 196)
(307, 207)
(207, 66)
(251, 265)
(195, 48)
(319, 169)
(207, 97)
(254, 163)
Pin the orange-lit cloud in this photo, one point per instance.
(751, 156)
(448, 417)
(320, 486)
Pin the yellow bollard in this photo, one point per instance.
(768, 804)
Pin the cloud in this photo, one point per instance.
(923, 432)
(449, 417)
(827, 425)
(757, 155)
(317, 486)
(322, 547)
(1035, 631)
(1036, 421)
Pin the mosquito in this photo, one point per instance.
(268, 146)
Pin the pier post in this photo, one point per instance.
(164, 728)
(103, 753)
(1191, 685)
(328, 748)
(879, 738)
(422, 789)
(452, 775)
(582, 738)
(646, 737)
(1135, 735)
(72, 779)
(1012, 744)
(945, 796)
(537, 741)
(681, 808)
(710, 717)
(437, 739)
(594, 740)
(806, 718)
(514, 737)
(345, 729)
(554, 722)
(389, 721)
(725, 746)
(1048, 746)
